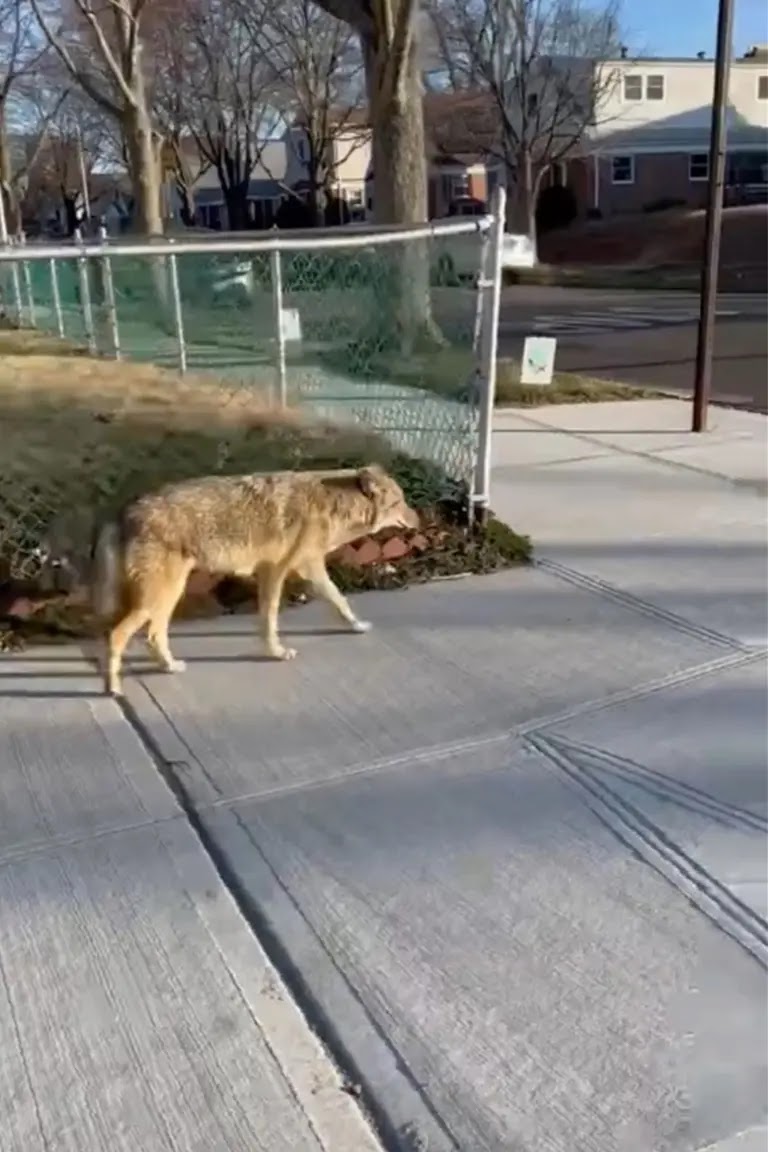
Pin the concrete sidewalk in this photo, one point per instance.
(137, 1009)
(509, 849)
(623, 497)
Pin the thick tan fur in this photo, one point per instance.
(268, 525)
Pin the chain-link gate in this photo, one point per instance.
(381, 330)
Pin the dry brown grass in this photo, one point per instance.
(80, 433)
(566, 388)
(446, 370)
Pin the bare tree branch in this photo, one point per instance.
(226, 98)
(100, 45)
(539, 63)
(318, 69)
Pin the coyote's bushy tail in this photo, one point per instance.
(107, 570)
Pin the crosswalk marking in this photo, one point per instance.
(620, 318)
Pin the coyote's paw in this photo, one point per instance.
(361, 626)
(283, 653)
(175, 666)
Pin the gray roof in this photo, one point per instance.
(690, 139)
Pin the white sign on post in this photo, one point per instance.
(538, 365)
(290, 324)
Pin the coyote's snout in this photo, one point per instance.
(267, 525)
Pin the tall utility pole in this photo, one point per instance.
(702, 385)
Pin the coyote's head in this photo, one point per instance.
(389, 508)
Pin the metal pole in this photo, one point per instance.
(702, 385)
(178, 317)
(56, 296)
(27, 274)
(482, 285)
(109, 296)
(85, 296)
(488, 351)
(277, 312)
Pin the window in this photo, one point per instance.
(762, 87)
(698, 166)
(633, 87)
(638, 87)
(654, 87)
(623, 169)
(455, 186)
(532, 104)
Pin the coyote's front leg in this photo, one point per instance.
(271, 581)
(316, 575)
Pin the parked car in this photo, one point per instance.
(460, 255)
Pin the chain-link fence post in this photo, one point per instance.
(178, 316)
(109, 293)
(276, 278)
(489, 337)
(86, 306)
(26, 272)
(56, 297)
(482, 285)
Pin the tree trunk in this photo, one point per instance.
(399, 167)
(70, 212)
(144, 172)
(316, 198)
(10, 200)
(400, 189)
(236, 200)
(524, 183)
(186, 203)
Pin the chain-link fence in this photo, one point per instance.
(377, 331)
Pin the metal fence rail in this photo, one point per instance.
(312, 319)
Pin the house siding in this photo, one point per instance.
(657, 176)
(477, 183)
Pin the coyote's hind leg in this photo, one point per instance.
(164, 602)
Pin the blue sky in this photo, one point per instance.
(685, 27)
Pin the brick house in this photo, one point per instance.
(651, 139)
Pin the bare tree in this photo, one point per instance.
(389, 36)
(22, 128)
(174, 100)
(231, 92)
(101, 45)
(539, 65)
(319, 68)
(388, 31)
(61, 175)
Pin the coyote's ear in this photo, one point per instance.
(367, 482)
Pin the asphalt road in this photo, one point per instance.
(645, 338)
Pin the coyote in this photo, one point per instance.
(266, 525)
